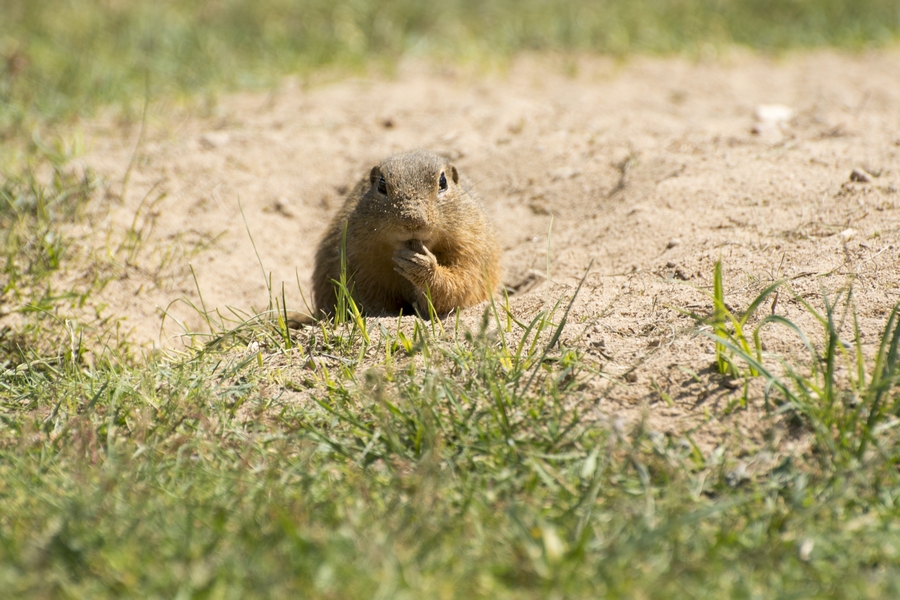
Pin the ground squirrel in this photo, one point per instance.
(413, 231)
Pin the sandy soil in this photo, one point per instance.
(649, 171)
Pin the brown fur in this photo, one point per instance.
(413, 240)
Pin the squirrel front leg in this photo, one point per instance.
(449, 287)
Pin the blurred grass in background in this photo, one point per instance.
(60, 58)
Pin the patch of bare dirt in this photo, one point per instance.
(649, 170)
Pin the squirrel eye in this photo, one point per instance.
(382, 186)
(443, 182)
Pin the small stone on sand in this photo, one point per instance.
(214, 139)
(860, 176)
(774, 113)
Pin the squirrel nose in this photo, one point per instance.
(413, 218)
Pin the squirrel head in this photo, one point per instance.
(408, 194)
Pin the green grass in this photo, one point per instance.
(425, 462)
(62, 58)
(33, 213)
(832, 389)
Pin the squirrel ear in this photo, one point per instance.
(454, 174)
(374, 175)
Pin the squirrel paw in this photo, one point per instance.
(416, 263)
